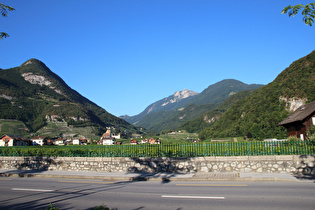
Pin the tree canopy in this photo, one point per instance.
(308, 11)
(4, 12)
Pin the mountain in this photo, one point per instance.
(259, 113)
(172, 111)
(208, 118)
(220, 91)
(172, 102)
(33, 94)
(172, 119)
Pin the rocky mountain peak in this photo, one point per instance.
(178, 96)
(184, 94)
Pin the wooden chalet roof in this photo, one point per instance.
(300, 114)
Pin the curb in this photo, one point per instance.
(144, 178)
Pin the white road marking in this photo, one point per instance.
(32, 190)
(214, 185)
(189, 196)
(82, 182)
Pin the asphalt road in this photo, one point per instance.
(37, 193)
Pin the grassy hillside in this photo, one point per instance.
(13, 127)
(260, 113)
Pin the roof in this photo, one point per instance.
(14, 137)
(300, 114)
(109, 138)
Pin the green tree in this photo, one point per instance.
(4, 12)
(308, 11)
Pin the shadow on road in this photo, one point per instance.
(61, 198)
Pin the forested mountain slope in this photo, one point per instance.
(260, 113)
(220, 91)
(207, 119)
(172, 119)
(35, 95)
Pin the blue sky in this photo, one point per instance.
(126, 54)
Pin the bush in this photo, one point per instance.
(51, 207)
(312, 130)
(102, 207)
(312, 138)
(293, 139)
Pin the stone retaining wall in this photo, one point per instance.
(260, 164)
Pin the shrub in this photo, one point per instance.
(51, 207)
(293, 139)
(102, 207)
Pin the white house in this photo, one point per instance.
(109, 141)
(38, 140)
(76, 142)
(59, 142)
(11, 140)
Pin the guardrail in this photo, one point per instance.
(171, 150)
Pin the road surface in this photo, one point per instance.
(37, 193)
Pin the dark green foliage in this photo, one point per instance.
(220, 91)
(4, 9)
(206, 120)
(263, 110)
(52, 207)
(102, 207)
(172, 119)
(307, 10)
(31, 103)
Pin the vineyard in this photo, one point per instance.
(169, 150)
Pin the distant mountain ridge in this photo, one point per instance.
(164, 114)
(33, 94)
(220, 91)
(178, 99)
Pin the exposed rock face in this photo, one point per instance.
(56, 118)
(28, 62)
(179, 95)
(6, 97)
(36, 79)
(39, 80)
(184, 94)
(210, 120)
(293, 103)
